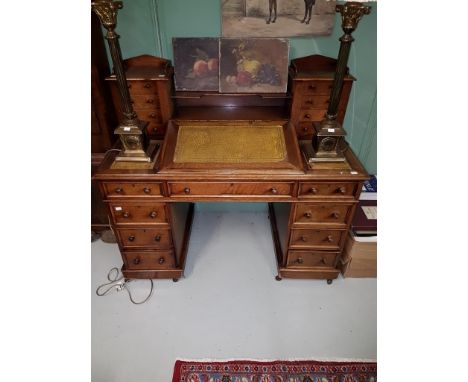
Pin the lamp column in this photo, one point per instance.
(131, 131)
(327, 143)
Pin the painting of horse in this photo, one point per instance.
(277, 18)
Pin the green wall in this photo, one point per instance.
(148, 26)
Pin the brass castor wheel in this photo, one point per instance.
(175, 280)
(329, 281)
(278, 278)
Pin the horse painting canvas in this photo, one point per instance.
(277, 18)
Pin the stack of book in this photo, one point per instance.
(360, 252)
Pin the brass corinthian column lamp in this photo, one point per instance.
(327, 142)
(131, 131)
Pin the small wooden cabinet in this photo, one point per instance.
(311, 82)
(150, 83)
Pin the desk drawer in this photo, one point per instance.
(121, 190)
(141, 87)
(149, 101)
(315, 87)
(315, 102)
(324, 213)
(312, 259)
(236, 188)
(149, 115)
(145, 237)
(149, 259)
(335, 190)
(141, 213)
(327, 239)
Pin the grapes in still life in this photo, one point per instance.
(253, 65)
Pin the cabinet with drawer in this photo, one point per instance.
(150, 82)
(311, 82)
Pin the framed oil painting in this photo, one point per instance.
(253, 65)
(196, 64)
(277, 18)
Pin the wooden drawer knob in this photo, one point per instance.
(147, 85)
(187, 190)
(303, 238)
(153, 214)
(310, 102)
(136, 260)
(129, 86)
(305, 128)
(152, 115)
(335, 215)
(274, 190)
(342, 190)
(329, 238)
(323, 261)
(155, 129)
(161, 260)
(150, 100)
(131, 238)
(299, 260)
(313, 190)
(126, 215)
(308, 215)
(312, 87)
(307, 116)
(118, 190)
(157, 238)
(147, 190)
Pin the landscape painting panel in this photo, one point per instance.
(254, 65)
(277, 18)
(196, 64)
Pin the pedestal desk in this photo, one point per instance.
(201, 159)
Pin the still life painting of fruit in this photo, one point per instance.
(255, 65)
(196, 64)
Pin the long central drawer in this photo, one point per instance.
(230, 188)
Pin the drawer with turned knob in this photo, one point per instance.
(138, 213)
(220, 189)
(145, 237)
(312, 259)
(317, 239)
(331, 214)
(340, 190)
(114, 190)
(149, 259)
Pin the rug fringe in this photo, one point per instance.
(277, 360)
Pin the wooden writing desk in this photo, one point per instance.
(208, 154)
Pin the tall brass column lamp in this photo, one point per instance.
(328, 141)
(131, 131)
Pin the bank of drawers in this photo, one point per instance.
(150, 100)
(310, 100)
(141, 224)
(319, 224)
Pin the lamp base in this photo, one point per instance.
(327, 142)
(151, 153)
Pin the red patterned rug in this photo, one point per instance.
(274, 371)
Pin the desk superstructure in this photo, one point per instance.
(310, 206)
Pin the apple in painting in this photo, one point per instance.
(244, 78)
(213, 64)
(200, 68)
